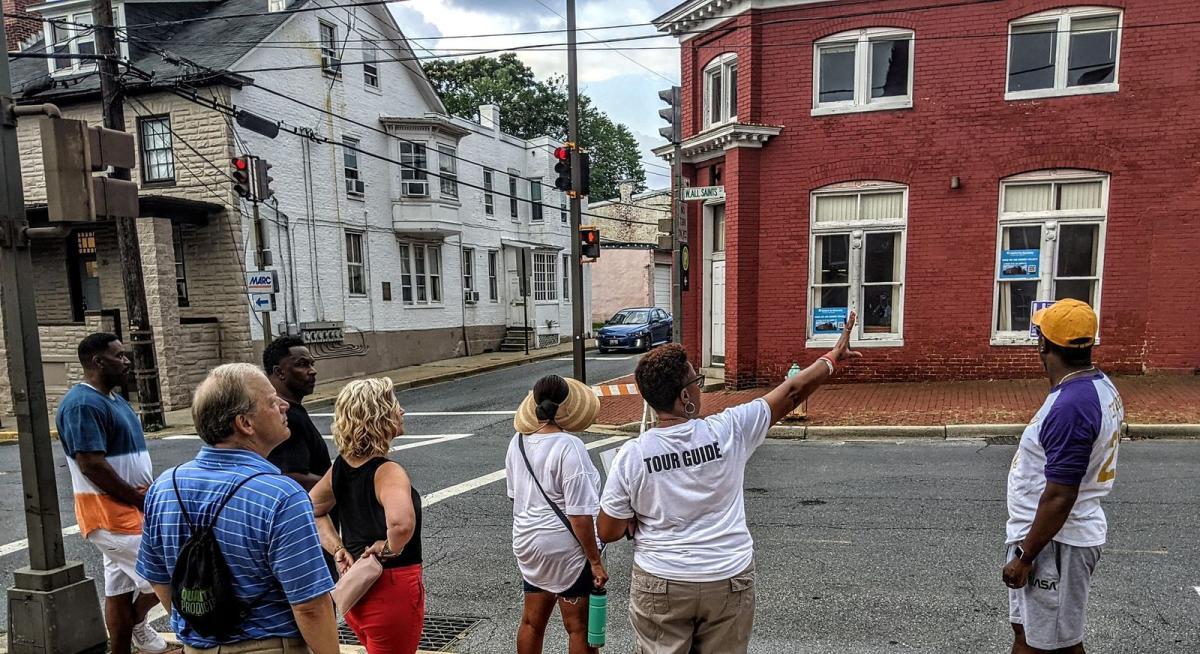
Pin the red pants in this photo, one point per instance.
(389, 618)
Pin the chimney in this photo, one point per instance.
(489, 115)
(626, 188)
(20, 31)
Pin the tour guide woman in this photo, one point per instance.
(546, 464)
(380, 515)
(678, 488)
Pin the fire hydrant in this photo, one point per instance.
(801, 411)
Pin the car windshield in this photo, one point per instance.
(630, 318)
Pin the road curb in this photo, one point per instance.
(937, 432)
(1186, 432)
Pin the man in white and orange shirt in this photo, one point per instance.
(110, 472)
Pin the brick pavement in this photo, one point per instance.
(1165, 399)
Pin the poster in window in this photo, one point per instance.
(1020, 264)
(1034, 307)
(829, 320)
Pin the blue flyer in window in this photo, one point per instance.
(829, 320)
(1034, 307)
(1019, 264)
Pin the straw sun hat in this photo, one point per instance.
(576, 413)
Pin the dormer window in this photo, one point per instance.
(69, 38)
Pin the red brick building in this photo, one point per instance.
(937, 166)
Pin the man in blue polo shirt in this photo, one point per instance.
(266, 531)
(1064, 466)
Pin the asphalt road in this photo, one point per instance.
(861, 547)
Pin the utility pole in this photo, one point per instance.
(577, 327)
(678, 244)
(262, 256)
(112, 104)
(52, 606)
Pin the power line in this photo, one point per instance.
(627, 57)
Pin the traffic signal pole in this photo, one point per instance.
(577, 324)
(679, 214)
(141, 336)
(52, 606)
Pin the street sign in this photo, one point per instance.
(691, 193)
(261, 281)
(262, 301)
(1034, 307)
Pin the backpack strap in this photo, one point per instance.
(231, 493)
(225, 500)
(179, 500)
(559, 512)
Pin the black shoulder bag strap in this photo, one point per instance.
(557, 511)
(220, 507)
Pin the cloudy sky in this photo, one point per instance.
(624, 83)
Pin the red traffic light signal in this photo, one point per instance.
(241, 177)
(562, 154)
(563, 168)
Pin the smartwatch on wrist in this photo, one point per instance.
(1020, 552)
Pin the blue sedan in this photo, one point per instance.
(635, 330)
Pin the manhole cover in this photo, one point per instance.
(440, 632)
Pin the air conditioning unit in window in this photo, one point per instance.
(471, 297)
(414, 188)
(356, 186)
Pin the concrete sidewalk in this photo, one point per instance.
(425, 374)
(1157, 406)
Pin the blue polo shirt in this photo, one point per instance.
(266, 532)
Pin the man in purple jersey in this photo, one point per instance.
(1065, 464)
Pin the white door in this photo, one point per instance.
(512, 275)
(662, 286)
(717, 317)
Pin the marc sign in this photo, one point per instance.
(261, 281)
(692, 193)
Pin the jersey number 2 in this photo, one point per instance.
(1108, 471)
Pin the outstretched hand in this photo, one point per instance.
(842, 351)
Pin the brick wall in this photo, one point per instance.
(19, 31)
(960, 126)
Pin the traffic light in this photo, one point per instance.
(241, 176)
(262, 181)
(585, 173)
(563, 168)
(670, 113)
(71, 152)
(589, 241)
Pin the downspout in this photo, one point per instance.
(310, 210)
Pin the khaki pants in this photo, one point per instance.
(265, 646)
(682, 617)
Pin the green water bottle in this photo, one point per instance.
(597, 617)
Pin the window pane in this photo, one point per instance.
(1093, 54)
(879, 309)
(733, 91)
(1077, 245)
(834, 296)
(1023, 238)
(419, 269)
(834, 252)
(889, 68)
(1015, 301)
(1032, 55)
(1028, 197)
(836, 207)
(837, 74)
(714, 97)
(1080, 196)
(718, 221)
(880, 263)
(1077, 289)
(881, 206)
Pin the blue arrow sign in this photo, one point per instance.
(261, 302)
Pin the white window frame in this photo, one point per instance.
(447, 171)
(359, 264)
(468, 269)
(862, 101)
(77, 36)
(181, 277)
(426, 277)
(489, 199)
(566, 278)
(536, 213)
(493, 275)
(145, 140)
(351, 169)
(370, 57)
(1050, 223)
(514, 194)
(1062, 58)
(857, 230)
(414, 180)
(545, 277)
(722, 65)
(563, 213)
(331, 64)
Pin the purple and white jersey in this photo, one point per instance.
(1072, 440)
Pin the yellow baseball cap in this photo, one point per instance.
(1067, 323)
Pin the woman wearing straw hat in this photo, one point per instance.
(555, 490)
(380, 515)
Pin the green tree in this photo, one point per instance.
(532, 108)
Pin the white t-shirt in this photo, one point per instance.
(548, 555)
(1072, 440)
(683, 485)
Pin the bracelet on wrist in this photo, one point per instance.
(828, 361)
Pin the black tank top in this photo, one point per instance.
(361, 515)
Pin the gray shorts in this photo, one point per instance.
(1053, 605)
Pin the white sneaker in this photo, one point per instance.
(147, 640)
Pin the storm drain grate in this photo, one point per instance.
(440, 632)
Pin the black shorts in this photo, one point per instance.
(581, 588)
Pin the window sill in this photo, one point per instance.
(357, 296)
(160, 183)
(863, 108)
(453, 203)
(358, 197)
(1094, 89)
(830, 341)
(372, 89)
(335, 75)
(412, 305)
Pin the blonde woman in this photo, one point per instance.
(380, 515)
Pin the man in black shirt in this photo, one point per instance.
(291, 369)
